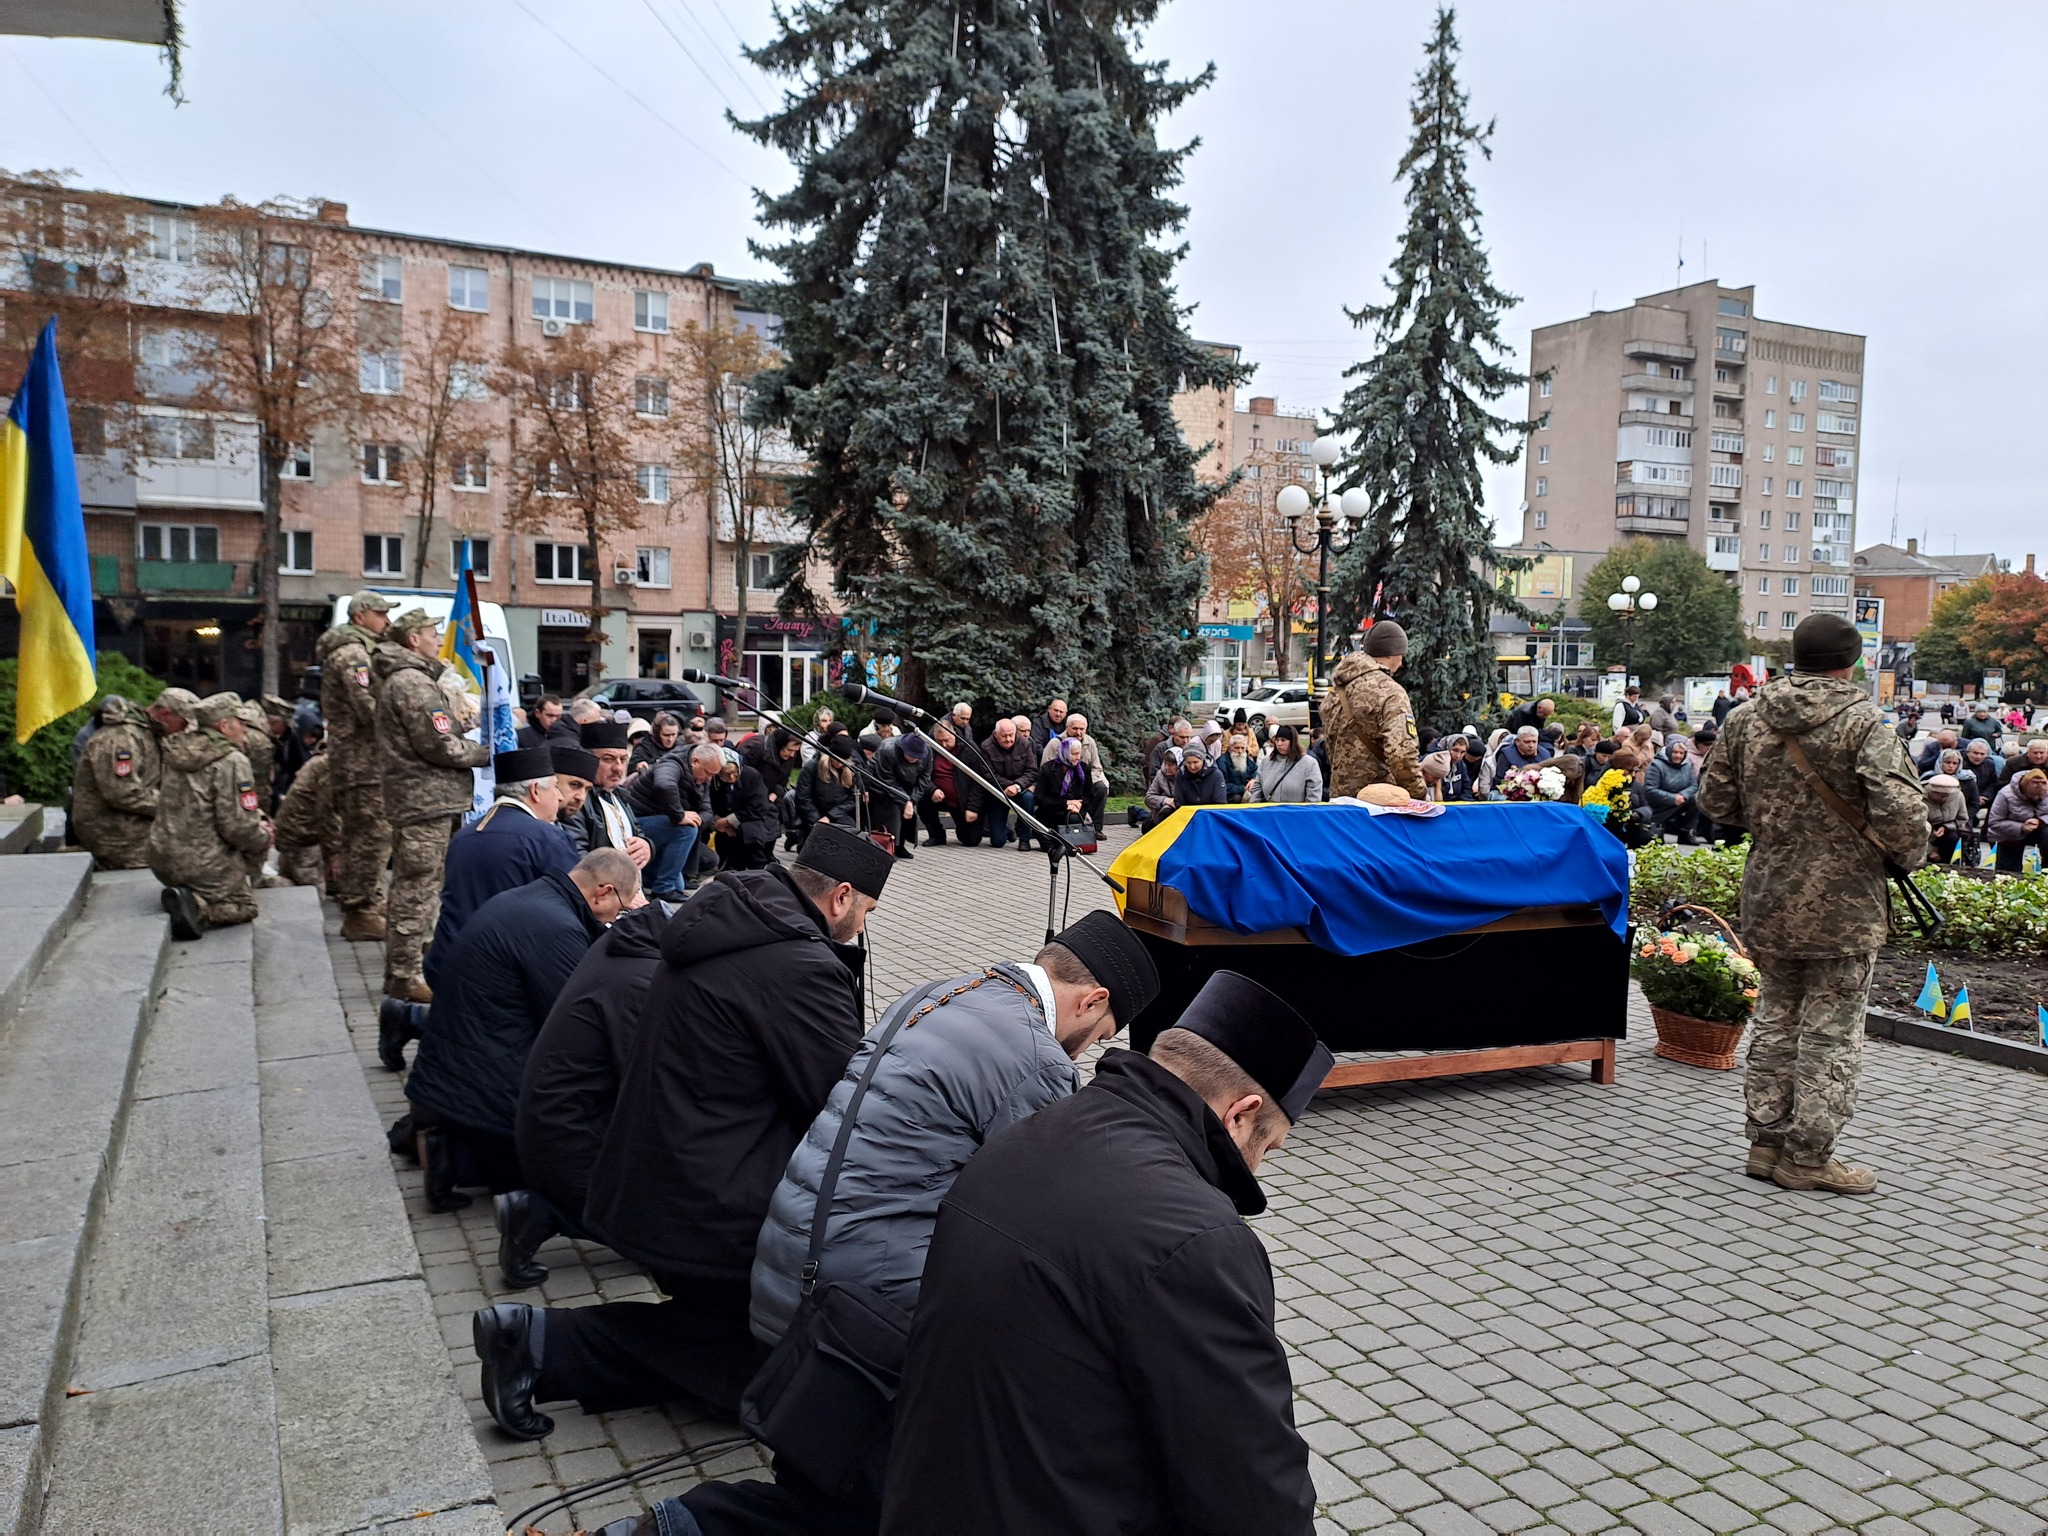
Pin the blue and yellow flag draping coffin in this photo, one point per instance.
(42, 547)
(1357, 883)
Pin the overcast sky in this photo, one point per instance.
(1874, 167)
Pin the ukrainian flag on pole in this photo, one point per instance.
(458, 638)
(42, 546)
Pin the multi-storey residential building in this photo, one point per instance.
(1685, 416)
(173, 509)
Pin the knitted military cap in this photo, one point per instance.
(574, 761)
(180, 701)
(413, 620)
(839, 854)
(523, 764)
(1262, 1033)
(1386, 638)
(1825, 642)
(1116, 958)
(216, 707)
(605, 733)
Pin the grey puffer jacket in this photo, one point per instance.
(978, 1061)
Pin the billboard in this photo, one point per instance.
(1870, 625)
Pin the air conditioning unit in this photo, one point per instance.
(552, 327)
(624, 576)
(698, 639)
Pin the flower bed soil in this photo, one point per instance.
(2003, 993)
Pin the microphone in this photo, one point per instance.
(695, 675)
(860, 693)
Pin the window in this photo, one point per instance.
(1833, 488)
(88, 431)
(558, 298)
(1729, 475)
(298, 463)
(383, 279)
(1795, 487)
(650, 311)
(1763, 518)
(1667, 437)
(1736, 307)
(650, 567)
(158, 347)
(1727, 442)
(471, 471)
(650, 396)
(1763, 583)
(381, 463)
(1791, 522)
(1770, 452)
(1791, 554)
(1725, 544)
(1731, 343)
(1828, 421)
(550, 479)
(479, 557)
(1762, 619)
(382, 373)
(1543, 389)
(469, 381)
(1542, 518)
(764, 571)
(1833, 389)
(1796, 390)
(180, 541)
(1543, 454)
(1835, 458)
(1791, 586)
(469, 288)
(1770, 419)
(1795, 421)
(1771, 385)
(1767, 491)
(562, 562)
(298, 552)
(172, 237)
(180, 437)
(1794, 454)
(1543, 485)
(1788, 620)
(562, 391)
(383, 554)
(1830, 586)
(652, 480)
(1763, 555)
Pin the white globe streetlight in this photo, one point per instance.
(1292, 502)
(1324, 451)
(1356, 504)
(1618, 602)
(1631, 584)
(1647, 601)
(1628, 602)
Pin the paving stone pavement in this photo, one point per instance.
(1521, 1302)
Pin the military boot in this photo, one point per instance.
(363, 927)
(409, 989)
(1763, 1158)
(1834, 1177)
(186, 922)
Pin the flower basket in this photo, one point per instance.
(1701, 990)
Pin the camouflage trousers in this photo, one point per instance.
(303, 864)
(223, 893)
(1805, 1049)
(366, 845)
(419, 853)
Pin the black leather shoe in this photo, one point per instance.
(394, 1028)
(437, 1161)
(521, 1230)
(503, 1338)
(186, 923)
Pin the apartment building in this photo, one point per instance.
(173, 509)
(1909, 580)
(1686, 416)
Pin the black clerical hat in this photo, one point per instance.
(842, 855)
(605, 733)
(1262, 1033)
(1116, 958)
(522, 764)
(574, 761)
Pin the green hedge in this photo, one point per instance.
(40, 768)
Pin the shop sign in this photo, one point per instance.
(564, 618)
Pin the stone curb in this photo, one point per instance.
(1996, 1049)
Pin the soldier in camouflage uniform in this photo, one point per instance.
(308, 826)
(348, 702)
(208, 820)
(1368, 722)
(1815, 908)
(114, 789)
(428, 787)
(261, 751)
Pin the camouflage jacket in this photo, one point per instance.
(259, 749)
(206, 815)
(1370, 728)
(307, 816)
(425, 758)
(348, 702)
(1814, 888)
(114, 790)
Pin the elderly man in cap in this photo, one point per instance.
(428, 786)
(1094, 1348)
(208, 821)
(348, 703)
(1828, 796)
(749, 1023)
(1368, 723)
(606, 819)
(114, 787)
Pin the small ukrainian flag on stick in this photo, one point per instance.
(1960, 1014)
(1930, 999)
(2043, 1014)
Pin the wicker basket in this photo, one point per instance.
(1699, 1042)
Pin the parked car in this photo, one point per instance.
(1283, 703)
(649, 696)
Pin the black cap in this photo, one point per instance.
(1825, 642)
(1116, 958)
(841, 855)
(840, 745)
(884, 715)
(1386, 638)
(522, 764)
(1261, 1032)
(574, 761)
(605, 733)
(916, 748)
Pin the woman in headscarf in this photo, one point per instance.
(1198, 782)
(1159, 793)
(1062, 790)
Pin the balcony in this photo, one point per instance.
(1668, 516)
(1728, 389)
(1655, 384)
(1661, 351)
(123, 576)
(1656, 419)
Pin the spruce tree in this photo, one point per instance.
(1419, 421)
(982, 344)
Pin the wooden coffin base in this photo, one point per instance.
(1501, 1058)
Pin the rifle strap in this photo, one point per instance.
(1851, 815)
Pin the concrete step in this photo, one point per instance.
(68, 1067)
(39, 896)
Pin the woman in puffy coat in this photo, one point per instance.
(2019, 820)
(825, 788)
(1198, 782)
(1948, 818)
(1288, 773)
(1159, 793)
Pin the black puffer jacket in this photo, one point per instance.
(669, 788)
(905, 779)
(508, 966)
(751, 1019)
(821, 797)
(573, 1071)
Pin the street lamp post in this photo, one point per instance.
(1629, 602)
(1324, 539)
